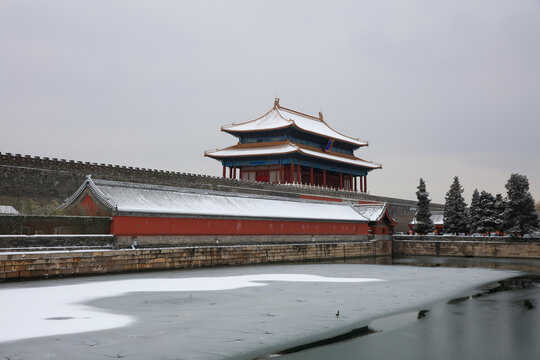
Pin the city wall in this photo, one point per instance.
(53, 264)
(31, 184)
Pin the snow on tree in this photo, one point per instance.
(500, 207)
(455, 209)
(520, 215)
(474, 220)
(486, 212)
(423, 215)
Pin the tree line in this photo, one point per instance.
(513, 214)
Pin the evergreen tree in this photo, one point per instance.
(487, 214)
(455, 209)
(500, 207)
(520, 215)
(423, 215)
(473, 212)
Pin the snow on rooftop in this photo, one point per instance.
(437, 217)
(140, 198)
(318, 127)
(356, 161)
(285, 148)
(8, 210)
(282, 148)
(280, 117)
(372, 212)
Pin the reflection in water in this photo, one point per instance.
(499, 321)
(526, 265)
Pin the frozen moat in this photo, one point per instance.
(241, 312)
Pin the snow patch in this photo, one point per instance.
(35, 311)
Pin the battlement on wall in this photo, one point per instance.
(165, 177)
(89, 167)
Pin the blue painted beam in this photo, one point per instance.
(297, 160)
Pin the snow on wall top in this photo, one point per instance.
(145, 199)
(279, 117)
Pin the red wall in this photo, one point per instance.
(147, 226)
(91, 208)
(380, 229)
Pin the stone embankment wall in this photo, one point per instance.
(51, 264)
(122, 242)
(28, 182)
(466, 246)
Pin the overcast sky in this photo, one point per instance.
(438, 88)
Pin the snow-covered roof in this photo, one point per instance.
(280, 117)
(129, 198)
(437, 217)
(286, 147)
(271, 148)
(8, 210)
(373, 212)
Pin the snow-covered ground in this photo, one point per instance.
(240, 312)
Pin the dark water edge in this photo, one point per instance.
(525, 265)
(496, 321)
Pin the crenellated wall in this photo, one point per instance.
(31, 183)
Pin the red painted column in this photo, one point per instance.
(365, 183)
(234, 172)
(324, 177)
(299, 172)
(355, 184)
(341, 180)
(291, 173)
(311, 175)
(240, 175)
(224, 171)
(280, 173)
(350, 182)
(361, 184)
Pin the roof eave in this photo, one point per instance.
(94, 191)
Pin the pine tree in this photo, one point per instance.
(473, 212)
(500, 207)
(487, 214)
(520, 215)
(423, 215)
(455, 209)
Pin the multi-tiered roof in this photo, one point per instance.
(284, 136)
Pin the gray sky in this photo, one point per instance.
(438, 88)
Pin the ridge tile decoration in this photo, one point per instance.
(287, 146)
